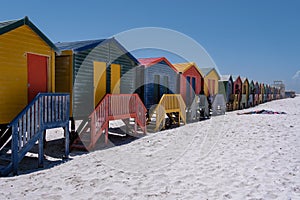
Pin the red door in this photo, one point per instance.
(37, 75)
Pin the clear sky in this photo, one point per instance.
(259, 39)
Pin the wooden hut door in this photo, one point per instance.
(115, 78)
(99, 81)
(37, 75)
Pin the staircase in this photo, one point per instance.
(46, 111)
(111, 107)
(171, 105)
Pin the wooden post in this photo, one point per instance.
(41, 149)
(67, 141)
(15, 149)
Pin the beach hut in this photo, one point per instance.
(161, 91)
(245, 93)
(237, 92)
(211, 78)
(267, 92)
(100, 75)
(28, 105)
(91, 69)
(257, 92)
(160, 77)
(191, 81)
(27, 60)
(261, 94)
(251, 93)
(225, 88)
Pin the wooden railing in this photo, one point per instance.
(47, 110)
(169, 103)
(112, 107)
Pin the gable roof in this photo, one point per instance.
(225, 77)
(148, 62)
(208, 70)
(183, 67)
(13, 24)
(234, 78)
(78, 46)
(244, 79)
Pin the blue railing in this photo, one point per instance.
(46, 110)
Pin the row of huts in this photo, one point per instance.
(103, 82)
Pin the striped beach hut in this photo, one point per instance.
(245, 93)
(237, 91)
(191, 81)
(90, 69)
(211, 78)
(225, 88)
(27, 63)
(251, 93)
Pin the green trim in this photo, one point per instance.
(26, 21)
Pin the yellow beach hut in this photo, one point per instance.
(211, 78)
(27, 63)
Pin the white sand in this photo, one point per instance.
(226, 157)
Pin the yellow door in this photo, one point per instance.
(99, 81)
(115, 78)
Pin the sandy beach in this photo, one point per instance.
(227, 157)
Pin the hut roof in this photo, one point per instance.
(147, 62)
(182, 67)
(244, 79)
(225, 77)
(206, 71)
(10, 25)
(78, 46)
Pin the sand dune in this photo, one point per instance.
(227, 157)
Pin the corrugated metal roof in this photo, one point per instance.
(244, 79)
(182, 67)
(147, 62)
(235, 77)
(225, 77)
(150, 61)
(78, 45)
(6, 23)
(206, 71)
(13, 24)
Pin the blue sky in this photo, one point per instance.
(259, 39)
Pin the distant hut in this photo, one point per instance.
(251, 93)
(191, 81)
(237, 91)
(160, 77)
(257, 92)
(225, 88)
(211, 78)
(245, 93)
(262, 92)
(27, 62)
